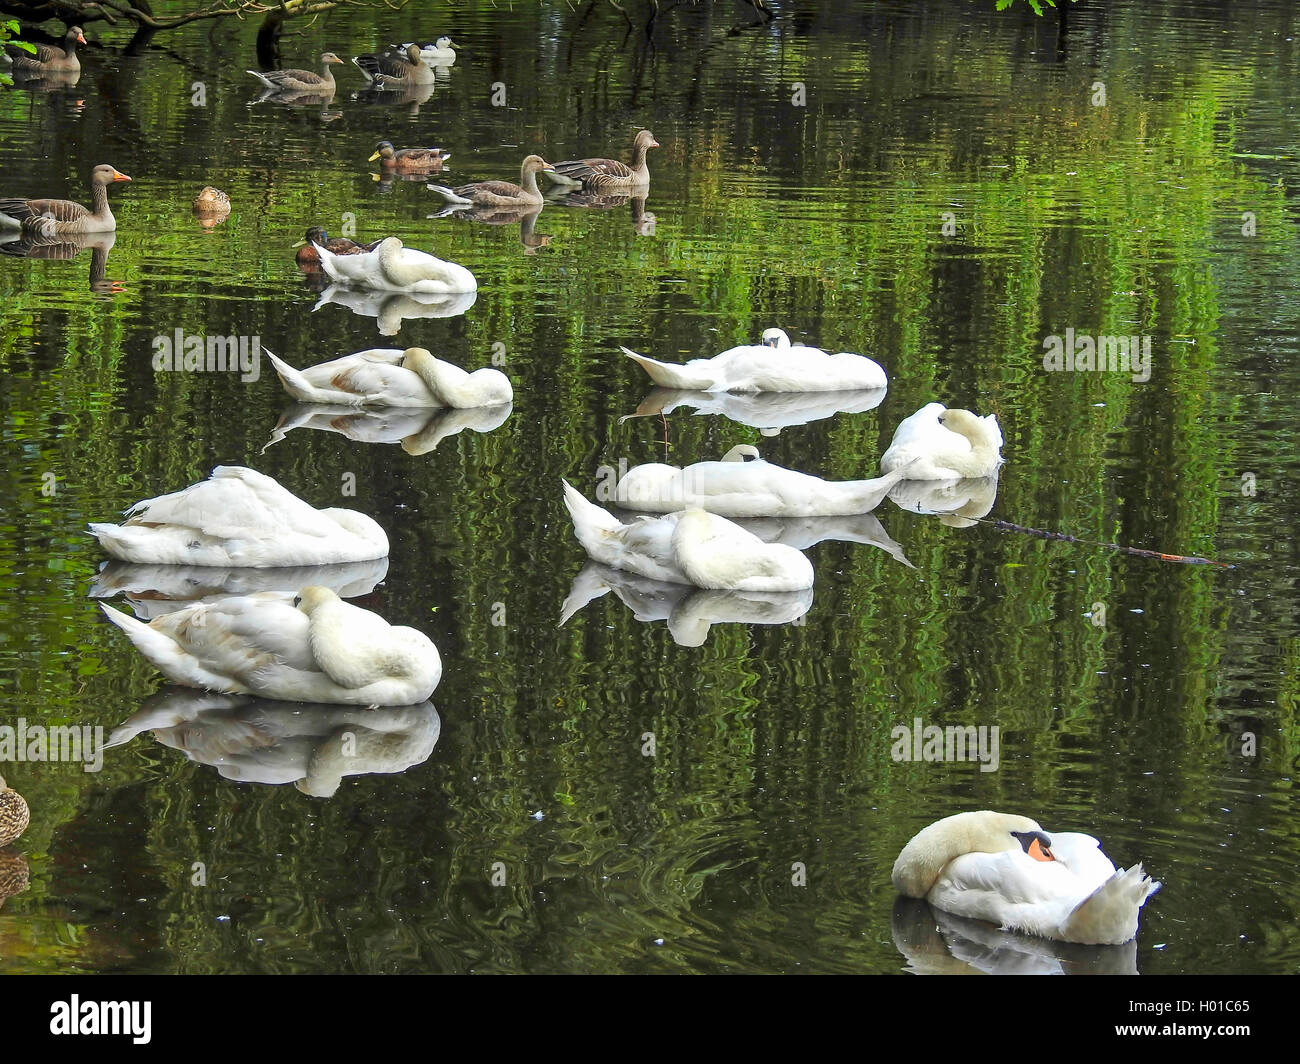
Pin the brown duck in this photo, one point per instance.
(409, 160)
(499, 193)
(339, 245)
(53, 216)
(48, 58)
(14, 814)
(610, 175)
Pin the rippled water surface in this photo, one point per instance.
(958, 185)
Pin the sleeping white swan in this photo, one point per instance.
(936, 443)
(242, 518)
(689, 547)
(393, 268)
(387, 376)
(743, 485)
(1005, 869)
(309, 647)
(772, 366)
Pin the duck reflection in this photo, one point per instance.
(35, 242)
(155, 590)
(938, 943)
(958, 503)
(13, 874)
(390, 309)
(689, 611)
(769, 412)
(417, 431)
(257, 740)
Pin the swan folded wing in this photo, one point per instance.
(398, 385)
(985, 884)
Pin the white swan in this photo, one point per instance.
(242, 518)
(1005, 869)
(387, 376)
(312, 647)
(936, 443)
(743, 485)
(394, 268)
(772, 366)
(689, 547)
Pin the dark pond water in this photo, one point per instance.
(956, 186)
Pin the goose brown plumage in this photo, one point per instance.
(609, 174)
(14, 814)
(339, 245)
(48, 58)
(392, 68)
(499, 193)
(301, 81)
(66, 216)
(408, 160)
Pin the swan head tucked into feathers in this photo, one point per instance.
(924, 857)
(775, 338)
(981, 431)
(453, 386)
(742, 452)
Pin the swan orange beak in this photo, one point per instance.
(1039, 852)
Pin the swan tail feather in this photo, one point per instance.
(592, 524)
(294, 382)
(1109, 915)
(669, 376)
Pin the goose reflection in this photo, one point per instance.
(257, 740)
(938, 943)
(689, 611)
(154, 590)
(769, 412)
(529, 238)
(409, 95)
(35, 243)
(643, 221)
(958, 503)
(390, 309)
(416, 431)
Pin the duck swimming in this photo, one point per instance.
(499, 193)
(1007, 870)
(14, 814)
(309, 257)
(610, 175)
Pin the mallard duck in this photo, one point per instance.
(499, 193)
(394, 268)
(53, 216)
(743, 485)
(14, 814)
(309, 647)
(301, 81)
(392, 377)
(211, 199)
(409, 160)
(48, 58)
(687, 547)
(1006, 869)
(240, 517)
(936, 443)
(395, 68)
(13, 875)
(339, 245)
(772, 366)
(610, 175)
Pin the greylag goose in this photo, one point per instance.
(339, 245)
(48, 58)
(499, 193)
(409, 160)
(65, 216)
(608, 175)
(301, 81)
(395, 69)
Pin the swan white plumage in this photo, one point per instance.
(394, 268)
(936, 443)
(743, 485)
(1005, 869)
(772, 366)
(387, 376)
(242, 518)
(312, 647)
(689, 547)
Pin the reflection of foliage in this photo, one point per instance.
(1037, 5)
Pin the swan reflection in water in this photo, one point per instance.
(392, 308)
(689, 611)
(769, 412)
(938, 943)
(416, 431)
(957, 503)
(257, 740)
(32, 243)
(155, 590)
